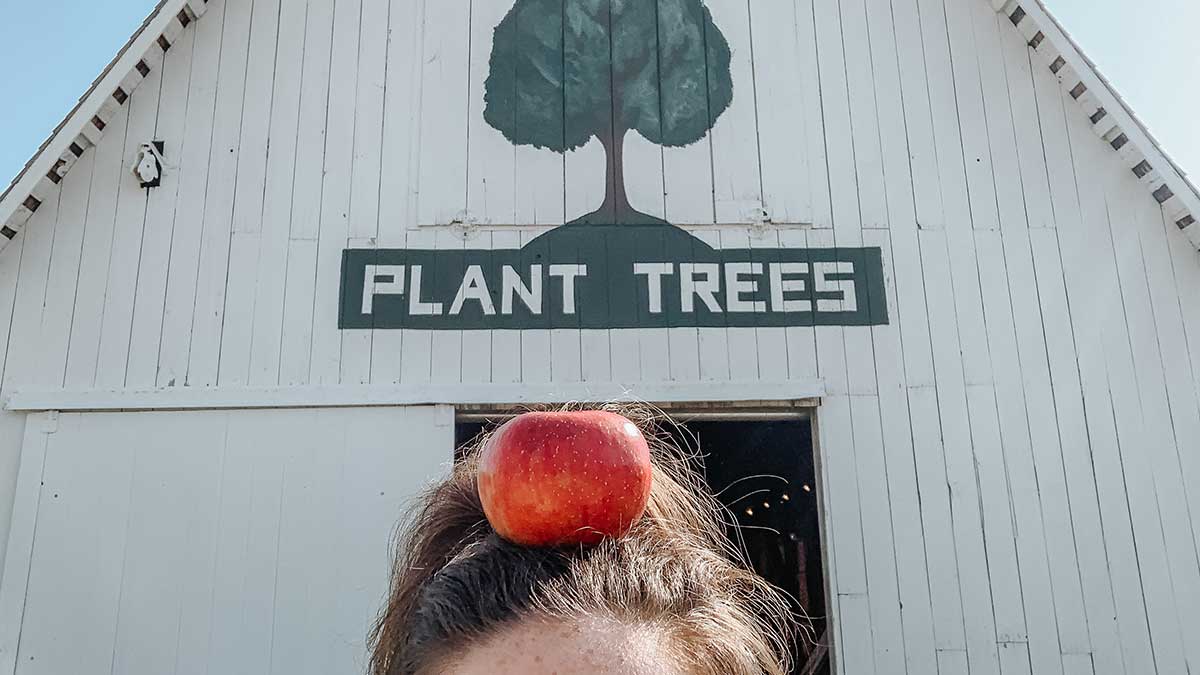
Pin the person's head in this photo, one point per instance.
(670, 597)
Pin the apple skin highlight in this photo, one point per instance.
(555, 479)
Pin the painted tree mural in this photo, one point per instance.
(563, 71)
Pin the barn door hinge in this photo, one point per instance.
(50, 422)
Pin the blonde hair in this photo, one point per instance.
(454, 581)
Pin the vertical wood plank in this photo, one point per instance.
(1048, 356)
(267, 38)
(1106, 365)
(506, 344)
(246, 554)
(492, 159)
(416, 356)
(205, 322)
(369, 107)
(326, 364)
(146, 636)
(978, 150)
(742, 342)
(88, 493)
(959, 454)
(536, 343)
(96, 255)
(1157, 438)
(130, 219)
(878, 542)
(399, 165)
(272, 232)
(477, 344)
(20, 547)
(446, 352)
(444, 109)
(781, 85)
(903, 498)
(713, 342)
(1022, 381)
(737, 175)
(312, 146)
(31, 284)
(165, 327)
(58, 307)
(142, 347)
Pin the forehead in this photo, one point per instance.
(563, 648)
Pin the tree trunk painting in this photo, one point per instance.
(565, 71)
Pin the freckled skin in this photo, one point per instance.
(591, 646)
(564, 478)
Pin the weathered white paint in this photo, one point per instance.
(1010, 466)
(219, 541)
(798, 392)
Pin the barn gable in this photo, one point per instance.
(1009, 460)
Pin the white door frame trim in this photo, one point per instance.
(15, 581)
(341, 396)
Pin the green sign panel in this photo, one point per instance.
(563, 72)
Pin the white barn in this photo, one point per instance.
(928, 229)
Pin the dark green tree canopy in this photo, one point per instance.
(563, 71)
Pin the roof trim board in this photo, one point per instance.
(84, 125)
(1112, 119)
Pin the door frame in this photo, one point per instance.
(755, 410)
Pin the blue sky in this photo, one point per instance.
(52, 49)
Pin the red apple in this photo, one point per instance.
(564, 478)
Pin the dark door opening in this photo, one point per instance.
(764, 473)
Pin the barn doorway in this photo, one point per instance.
(763, 471)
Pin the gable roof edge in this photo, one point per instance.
(83, 127)
(1111, 117)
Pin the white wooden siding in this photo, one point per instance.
(1010, 465)
(213, 541)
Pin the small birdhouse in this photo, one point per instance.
(148, 165)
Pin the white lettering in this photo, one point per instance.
(474, 287)
(781, 286)
(737, 285)
(568, 274)
(654, 273)
(381, 280)
(415, 306)
(514, 285)
(690, 287)
(848, 302)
